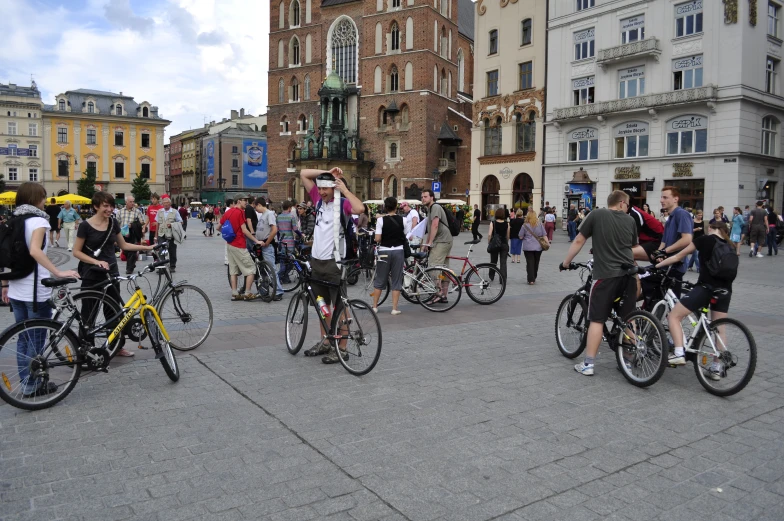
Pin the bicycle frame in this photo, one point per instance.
(136, 305)
(699, 323)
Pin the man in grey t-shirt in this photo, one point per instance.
(614, 236)
(266, 231)
(438, 239)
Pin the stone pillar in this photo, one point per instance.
(132, 168)
(104, 175)
(78, 168)
(47, 154)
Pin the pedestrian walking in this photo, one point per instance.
(95, 243)
(499, 232)
(699, 231)
(390, 237)
(53, 211)
(68, 219)
(475, 223)
(152, 212)
(131, 226)
(738, 224)
(758, 229)
(165, 218)
(549, 223)
(532, 249)
(571, 222)
(773, 219)
(22, 288)
(515, 224)
(184, 214)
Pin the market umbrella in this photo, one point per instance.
(75, 199)
(8, 198)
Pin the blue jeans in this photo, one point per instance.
(31, 343)
(571, 229)
(695, 259)
(268, 252)
(772, 244)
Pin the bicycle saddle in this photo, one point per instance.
(53, 282)
(419, 254)
(475, 241)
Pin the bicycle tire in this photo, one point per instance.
(266, 284)
(574, 310)
(704, 357)
(291, 274)
(476, 290)
(409, 291)
(363, 346)
(429, 283)
(188, 324)
(643, 365)
(161, 346)
(297, 322)
(105, 301)
(10, 380)
(362, 288)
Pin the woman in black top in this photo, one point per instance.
(94, 248)
(391, 259)
(515, 224)
(501, 228)
(773, 220)
(699, 230)
(701, 295)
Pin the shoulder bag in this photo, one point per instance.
(494, 246)
(542, 240)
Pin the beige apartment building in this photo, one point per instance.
(21, 145)
(507, 145)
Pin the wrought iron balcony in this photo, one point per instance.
(706, 93)
(445, 165)
(628, 51)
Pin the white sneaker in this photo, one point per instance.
(581, 368)
(396, 312)
(375, 310)
(759, 255)
(714, 371)
(674, 359)
(70, 249)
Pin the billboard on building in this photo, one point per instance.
(254, 163)
(210, 181)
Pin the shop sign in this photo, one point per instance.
(505, 172)
(687, 123)
(582, 36)
(730, 159)
(690, 7)
(631, 188)
(687, 63)
(581, 83)
(682, 169)
(627, 172)
(632, 23)
(632, 128)
(581, 134)
(632, 73)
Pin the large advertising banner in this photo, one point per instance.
(254, 163)
(210, 181)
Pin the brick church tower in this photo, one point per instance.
(380, 88)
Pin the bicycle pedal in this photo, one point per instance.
(141, 347)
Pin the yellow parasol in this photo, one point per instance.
(8, 198)
(75, 199)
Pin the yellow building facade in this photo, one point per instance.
(109, 132)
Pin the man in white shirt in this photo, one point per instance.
(410, 220)
(265, 232)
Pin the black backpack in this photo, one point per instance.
(723, 263)
(14, 253)
(451, 221)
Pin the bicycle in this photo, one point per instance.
(709, 341)
(288, 275)
(41, 359)
(571, 319)
(638, 339)
(264, 279)
(361, 335)
(479, 285)
(184, 307)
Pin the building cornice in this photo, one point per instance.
(105, 118)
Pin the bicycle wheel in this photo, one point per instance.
(95, 308)
(642, 350)
(161, 346)
(297, 322)
(265, 281)
(33, 375)
(441, 281)
(410, 289)
(737, 358)
(360, 285)
(484, 284)
(571, 326)
(289, 278)
(360, 326)
(186, 313)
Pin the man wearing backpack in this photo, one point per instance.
(321, 187)
(438, 239)
(719, 269)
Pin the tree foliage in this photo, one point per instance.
(140, 189)
(86, 185)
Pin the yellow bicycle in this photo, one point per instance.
(41, 359)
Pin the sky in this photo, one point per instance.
(193, 59)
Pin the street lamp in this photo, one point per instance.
(67, 170)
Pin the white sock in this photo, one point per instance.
(679, 351)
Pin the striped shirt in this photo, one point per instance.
(287, 224)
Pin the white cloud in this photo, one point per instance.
(258, 173)
(194, 59)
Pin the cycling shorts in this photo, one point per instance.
(603, 297)
(700, 297)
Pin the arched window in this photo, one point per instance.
(280, 53)
(404, 115)
(294, 15)
(281, 91)
(392, 185)
(294, 90)
(377, 79)
(294, 51)
(443, 89)
(522, 190)
(526, 132)
(393, 151)
(91, 108)
(395, 37)
(769, 132)
(306, 90)
(492, 137)
(145, 112)
(443, 42)
(408, 77)
(342, 51)
(460, 70)
(393, 79)
(281, 17)
(61, 105)
(302, 124)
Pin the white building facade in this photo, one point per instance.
(643, 95)
(21, 144)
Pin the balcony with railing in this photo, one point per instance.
(444, 164)
(706, 93)
(628, 51)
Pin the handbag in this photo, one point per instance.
(494, 246)
(542, 241)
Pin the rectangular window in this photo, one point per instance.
(12, 150)
(773, 19)
(492, 83)
(119, 170)
(118, 138)
(526, 76)
(13, 174)
(687, 135)
(584, 4)
(33, 174)
(633, 29)
(62, 168)
(771, 71)
(11, 128)
(584, 44)
(584, 150)
(145, 173)
(90, 136)
(631, 146)
(235, 150)
(688, 18)
(235, 179)
(32, 150)
(91, 164)
(32, 129)
(235, 163)
(582, 91)
(632, 82)
(493, 42)
(687, 73)
(527, 32)
(145, 140)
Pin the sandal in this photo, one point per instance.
(236, 297)
(319, 349)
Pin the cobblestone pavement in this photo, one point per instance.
(469, 415)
